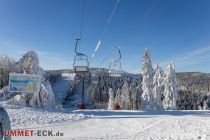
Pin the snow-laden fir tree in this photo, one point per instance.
(111, 99)
(125, 96)
(138, 96)
(118, 97)
(158, 87)
(135, 96)
(170, 90)
(205, 101)
(174, 85)
(147, 83)
(91, 93)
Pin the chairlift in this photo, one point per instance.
(81, 66)
(115, 69)
(81, 63)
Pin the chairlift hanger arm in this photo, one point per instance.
(76, 46)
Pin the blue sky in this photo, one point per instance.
(176, 30)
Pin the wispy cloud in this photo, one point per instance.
(193, 59)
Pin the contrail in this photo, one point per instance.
(105, 29)
(98, 45)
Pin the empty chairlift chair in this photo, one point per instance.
(81, 63)
(115, 69)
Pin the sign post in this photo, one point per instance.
(24, 83)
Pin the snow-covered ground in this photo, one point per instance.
(113, 125)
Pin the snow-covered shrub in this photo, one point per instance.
(205, 105)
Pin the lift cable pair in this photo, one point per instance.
(104, 30)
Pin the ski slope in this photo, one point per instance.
(61, 87)
(114, 125)
(138, 125)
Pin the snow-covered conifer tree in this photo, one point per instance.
(158, 87)
(170, 90)
(135, 97)
(111, 99)
(125, 96)
(118, 97)
(90, 93)
(147, 83)
(138, 94)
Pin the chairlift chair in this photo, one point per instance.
(78, 68)
(81, 63)
(115, 69)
